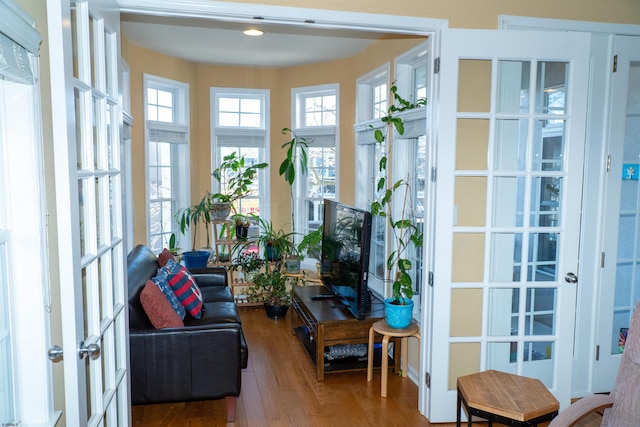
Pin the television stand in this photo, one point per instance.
(323, 322)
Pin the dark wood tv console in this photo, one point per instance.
(320, 323)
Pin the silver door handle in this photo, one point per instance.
(571, 278)
(55, 353)
(91, 350)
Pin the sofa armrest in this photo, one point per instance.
(182, 364)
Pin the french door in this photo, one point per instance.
(511, 133)
(89, 210)
(620, 283)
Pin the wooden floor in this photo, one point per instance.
(279, 389)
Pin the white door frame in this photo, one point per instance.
(588, 302)
(228, 11)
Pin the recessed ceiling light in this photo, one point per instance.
(253, 32)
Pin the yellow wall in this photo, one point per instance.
(481, 14)
(279, 81)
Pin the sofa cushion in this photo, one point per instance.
(158, 308)
(164, 256)
(185, 288)
(214, 313)
(215, 293)
(161, 279)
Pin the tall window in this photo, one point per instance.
(315, 112)
(167, 118)
(372, 102)
(239, 124)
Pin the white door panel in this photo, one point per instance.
(620, 283)
(88, 195)
(512, 113)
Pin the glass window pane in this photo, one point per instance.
(228, 119)
(165, 98)
(165, 114)
(250, 105)
(508, 201)
(551, 86)
(538, 358)
(546, 193)
(548, 146)
(513, 91)
(474, 85)
(510, 148)
(502, 356)
(503, 311)
(229, 104)
(543, 257)
(506, 257)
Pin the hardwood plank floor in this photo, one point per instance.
(279, 389)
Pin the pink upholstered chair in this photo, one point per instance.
(623, 403)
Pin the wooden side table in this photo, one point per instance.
(506, 398)
(388, 332)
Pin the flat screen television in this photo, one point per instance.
(346, 241)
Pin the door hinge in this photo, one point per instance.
(608, 162)
(436, 65)
(431, 279)
(434, 174)
(597, 353)
(427, 379)
(615, 63)
(601, 259)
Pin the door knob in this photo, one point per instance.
(571, 278)
(55, 353)
(91, 350)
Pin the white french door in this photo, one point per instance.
(511, 134)
(85, 38)
(620, 282)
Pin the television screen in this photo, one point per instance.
(344, 263)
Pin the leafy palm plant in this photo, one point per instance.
(403, 231)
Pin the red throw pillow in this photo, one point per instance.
(164, 256)
(185, 288)
(158, 308)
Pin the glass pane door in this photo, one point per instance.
(508, 198)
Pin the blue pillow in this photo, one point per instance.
(161, 282)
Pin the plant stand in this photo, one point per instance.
(222, 227)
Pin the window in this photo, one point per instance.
(371, 104)
(239, 118)
(315, 110)
(167, 134)
(409, 157)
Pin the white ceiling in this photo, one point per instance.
(216, 42)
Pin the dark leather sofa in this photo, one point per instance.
(201, 361)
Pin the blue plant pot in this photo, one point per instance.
(398, 316)
(197, 259)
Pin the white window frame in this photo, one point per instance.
(178, 135)
(23, 232)
(238, 136)
(368, 153)
(317, 136)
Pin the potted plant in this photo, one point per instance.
(399, 307)
(311, 245)
(189, 217)
(296, 149)
(249, 263)
(235, 178)
(270, 288)
(242, 224)
(277, 243)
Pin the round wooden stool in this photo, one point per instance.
(387, 332)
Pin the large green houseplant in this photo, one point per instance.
(391, 192)
(235, 178)
(296, 154)
(189, 218)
